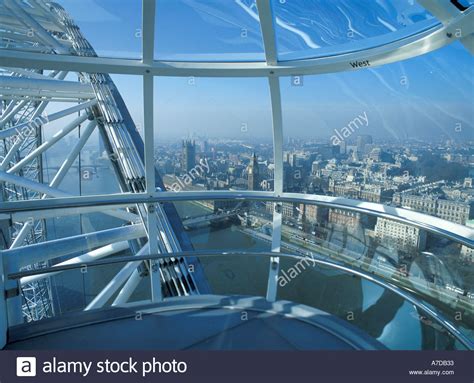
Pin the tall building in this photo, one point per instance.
(343, 217)
(205, 147)
(450, 210)
(253, 174)
(376, 154)
(467, 253)
(189, 155)
(293, 159)
(314, 213)
(454, 211)
(422, 203)
(288, 209)
(362, 141)
(343, 147)
(400, 235)
(315, 166)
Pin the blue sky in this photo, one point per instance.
(428, 96)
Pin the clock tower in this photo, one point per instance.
(253, 174)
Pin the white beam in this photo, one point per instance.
(148, 33)
(18, 143)
(20, 257)
(62, 99)
(116, 282)
(38, 28)
(8, 109)
(45, 84)
(8, 116)
(155, 275)
(42, 120)
(8, 93)
(73, 154)
(45, 189)
(128, 288)
(277, 123)
(55, 213)
(148, 111)
(25, 230)
(268, 31)
(47, 144)
(32, 185)
(90, 256)
(31, 74)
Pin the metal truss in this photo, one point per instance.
(26, 96)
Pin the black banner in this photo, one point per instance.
(242, 366)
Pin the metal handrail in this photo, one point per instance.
(433, 314)
(456, 232)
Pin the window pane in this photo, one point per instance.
(113, 28)
(386, 134)
(214, 133)
(208, 30)
(430, 266)
(310, 28)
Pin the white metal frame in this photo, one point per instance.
(388, 52)
(389, 48)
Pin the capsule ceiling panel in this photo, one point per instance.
(226, 30)
(314, 28)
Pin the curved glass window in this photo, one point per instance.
(381, 134)
(213, 133)
(376, 161)
(312, 28)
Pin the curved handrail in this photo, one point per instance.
(438, 317)
(456, 232)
